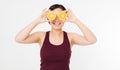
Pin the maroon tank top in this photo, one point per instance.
(55, 57)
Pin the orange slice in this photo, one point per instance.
(51, 15)
(62, 16)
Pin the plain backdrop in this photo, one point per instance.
(102, 17)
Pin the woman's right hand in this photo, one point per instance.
(43, 17)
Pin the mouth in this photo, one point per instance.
(57, 23)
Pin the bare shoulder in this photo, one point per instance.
(74, 38)
(69, 34)
(74, 34)
(41, 34)
(41, 37)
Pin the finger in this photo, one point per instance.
(68, 14)
(70, 11)
(44, 9)
(65, 11)
(67, 19)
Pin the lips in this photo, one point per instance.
(56, 23)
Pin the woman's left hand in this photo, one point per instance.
(71, 17)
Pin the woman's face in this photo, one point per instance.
(57, 24)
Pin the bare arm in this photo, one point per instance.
(24, 35)
(87, 38)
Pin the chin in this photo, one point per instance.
(57, 27)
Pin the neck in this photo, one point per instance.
(56, 32)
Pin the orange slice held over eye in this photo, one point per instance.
(62, 16)
(51, 15)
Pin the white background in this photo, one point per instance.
(101, 16)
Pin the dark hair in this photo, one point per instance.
(54, 6)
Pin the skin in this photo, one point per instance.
(56, 33)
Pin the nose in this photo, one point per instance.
(56, 19)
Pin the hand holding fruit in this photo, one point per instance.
(43, 16)
(71, 17)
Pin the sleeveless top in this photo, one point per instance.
(55, 57)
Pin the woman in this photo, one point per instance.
(56, 44)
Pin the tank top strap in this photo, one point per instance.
(47, 35)
(65, 36)
(66, 40)
(46, 39)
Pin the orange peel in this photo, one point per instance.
(51, 15)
